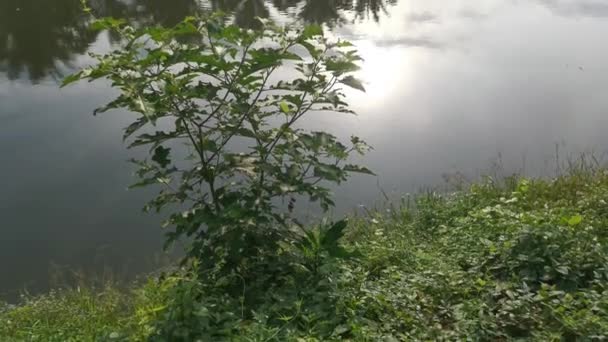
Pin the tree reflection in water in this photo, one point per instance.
(38, 38)
(36, 35)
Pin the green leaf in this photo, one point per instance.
(340, 66)
(107, 24)
(312, 50)
(358, 169)
(562, 270)
(353, 83)
(161, 156)
(344, 43)
(329, 172)
(333, 234)
(140, 105)
(523, 186)
(155, 139)
(264, 59)
(292, 56)
(311, 31)
(185, 28)
(71, 79)
(284, 107)
(144, 182)
(132, 128)
(208, 145)
(119, 102)
(575, 220)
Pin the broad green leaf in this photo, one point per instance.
(353, 83)
(333, 234)
(291, 56)
(264, 59)
(161, 156)
(311, 31)
(329, 172)
(341, 66)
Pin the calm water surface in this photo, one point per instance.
(452, 85)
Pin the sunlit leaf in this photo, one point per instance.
(575, 220)
(284, 107)
(107, 24)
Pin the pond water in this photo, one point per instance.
(452, 86)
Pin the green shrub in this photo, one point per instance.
(216, 89)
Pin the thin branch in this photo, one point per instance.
(230, 86)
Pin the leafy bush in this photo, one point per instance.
(216, 89)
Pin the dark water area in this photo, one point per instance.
(451, 86)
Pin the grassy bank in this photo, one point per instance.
(524, 259)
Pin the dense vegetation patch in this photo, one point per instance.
(524, 260)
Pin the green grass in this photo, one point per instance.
(85, 314)
(526, 259)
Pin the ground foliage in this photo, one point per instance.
(524, 260)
